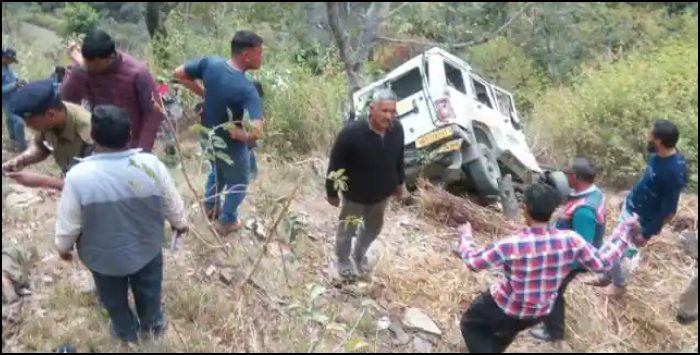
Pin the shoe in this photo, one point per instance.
(541, 333)
(686, 320)
(346, 271)
(153, 334)
(226, 229)
(363, 266)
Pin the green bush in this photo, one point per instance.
(80, 18)
(608, 113)
(507, 65)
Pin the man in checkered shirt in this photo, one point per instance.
(535, 263)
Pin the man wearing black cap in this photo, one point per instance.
(10, 84)
(62, 126)
(585, 214)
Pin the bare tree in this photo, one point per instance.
(156, 14)
(346, 22)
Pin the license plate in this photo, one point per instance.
(404, 107)
(450, 146)
(432, 137)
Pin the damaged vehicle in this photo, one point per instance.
(460, 130)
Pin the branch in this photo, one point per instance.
(395, 10)
(272, 232)
(472, 43)
(178, 149)
(333, 13)
(372, 20)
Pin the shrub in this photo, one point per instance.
(81, 18)
(302, 110)
(506, 64)
(609, 111)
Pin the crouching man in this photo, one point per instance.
(535, 264)
(112, 208)
(63, 126)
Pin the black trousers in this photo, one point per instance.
(487, 329)
(556, 321)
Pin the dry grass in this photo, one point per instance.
(644, 321)
(414, 269)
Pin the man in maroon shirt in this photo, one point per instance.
(111, 77)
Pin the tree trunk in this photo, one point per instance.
(354, 58)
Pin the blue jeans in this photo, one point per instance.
(232, 181)
(147, 287)
(15, 128)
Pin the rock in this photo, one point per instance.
(421, 346)
(86, 285)
(401, 338)
(24, 292)
(431, 338)
(249, 224)
(383, 324)
(257, 228)
(415, 319)
(689, 242)
(210, 270)
(227, 276)
(47, 279)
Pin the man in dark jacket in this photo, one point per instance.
(367, 167)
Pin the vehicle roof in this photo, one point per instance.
(410, 64)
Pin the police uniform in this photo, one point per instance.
(66, 144)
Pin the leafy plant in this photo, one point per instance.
(81, 18)
(340, 180)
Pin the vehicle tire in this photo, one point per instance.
(485, 173)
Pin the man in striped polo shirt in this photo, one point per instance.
(112, 208)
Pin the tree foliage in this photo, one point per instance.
(81, 18)
(607, 114)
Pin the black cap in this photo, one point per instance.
(33, 99)
(583, 168)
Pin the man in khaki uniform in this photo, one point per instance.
(688, 308)
(63, 130)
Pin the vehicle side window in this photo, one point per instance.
(481, 93)
(505, 106)
(408, 84)
(455, 78)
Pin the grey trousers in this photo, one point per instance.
(354, 217)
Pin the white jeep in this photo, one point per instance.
(460, 129)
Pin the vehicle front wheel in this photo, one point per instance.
(485, 174)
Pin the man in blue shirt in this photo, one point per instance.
(226, 89)
(655, 196)
(10, 84)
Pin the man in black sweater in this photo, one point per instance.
(369, 153)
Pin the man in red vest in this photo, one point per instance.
(111, 77)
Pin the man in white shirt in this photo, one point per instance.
(113, 207)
